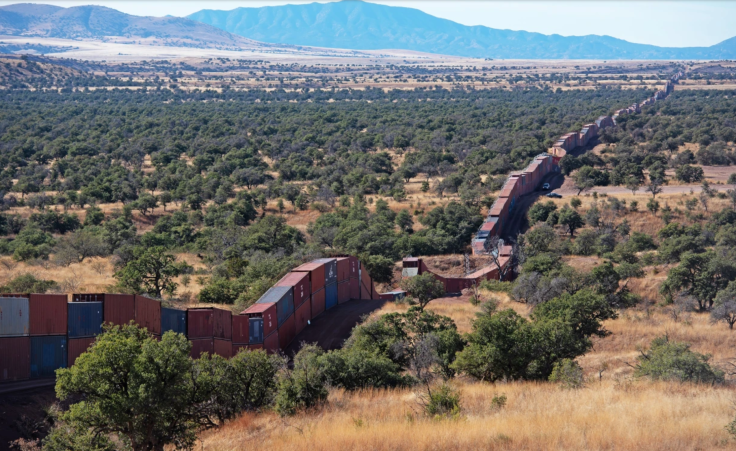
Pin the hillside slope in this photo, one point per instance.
(360, 25)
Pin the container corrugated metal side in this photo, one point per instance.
(255, 330)
(14, 317)
(316, 274)
(283, 297)
(15, 358)
(241, 329)
(119, 309)
(84, 319)
(148, 314)
(330, 296)
(365, 279)
(223, 324)
(330, 269)
(374, 292)
(268, 316)
(318, 303)
(301, 317)
(88, 297)
(223, 348)
(287, 332)
(343, 291)
(200, 346)
(77, 347)
(299, 281)
(354, 288)
(365, 292)
(200, 323)
(173, 320)
(48, 353)
(271, 343)
(48, 314)
(343, 268)
(354, 267)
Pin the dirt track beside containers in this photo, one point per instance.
(22, 411)
(333, 327)
(518, 221)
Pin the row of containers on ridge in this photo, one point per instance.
(40, 333)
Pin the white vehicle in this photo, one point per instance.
(545, 186)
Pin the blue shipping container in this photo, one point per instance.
(48, 354)
(283, 297)
(330, 269)
(172, 319)
(85, 319)
(330, 296)
(255, 330)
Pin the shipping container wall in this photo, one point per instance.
(77, 347)
(302, 315)
(48, 353)
(365, 291)
(330, 296)
(14, 317)
(271, 343)
(200, 323)
(15, 358)
(84, 319)
(200, 346)
(316, 274)
(119, 309)
(267, 312)
(48, 315)
(374, 292)
(148, 314)
(223, 348)
(283, 297)
(223, 322)
(343, 268)
(354, 288)
(343, 291)
(318, 303)
(354, 267)
(301, 287)
(255, 330)
(174, 320)
(287, 331)
(240, 329)
(88, 297)
(330, 269)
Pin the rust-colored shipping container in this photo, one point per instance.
(343, 268)
(48, 314)
(265, 311)
(365, 278)
(374, 293)
(316, 274)
(148, 314)
(200, 346)
(301, 284)
(240, 329)
(223, 326)
(271, 343)
(365, 291)
(119, 309)
(287, 332)
(302, 316)
(343, 292)
(354, 267)
(200, 323)
(88, 297)
(354, 288)
(223, 348)
(77, 347)
(318, 303)
(15, 359)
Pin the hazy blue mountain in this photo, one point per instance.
(353, 24)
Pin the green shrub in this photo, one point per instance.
(27, 283)
(568, 373)
(674, 361)
(497, 286)
(442, 401)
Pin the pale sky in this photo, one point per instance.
(680, 23)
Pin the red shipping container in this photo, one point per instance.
(318, 303)
(223, 324)
(365, 278)
(200, 346)
(77, 347)
(119, 309)
(88, 297)
(240, 329)
(343, 292)
(354, 288)
(343, 268)
(301, 284)
(47, 314)
(374, 292)
(354, 267)
(287, 332)
(15, 359)
(223, 348)
(365, 291)
(148, 314)
(271, 343)
(200, 323)
(302, 315)
(265, 311)
(316, 274)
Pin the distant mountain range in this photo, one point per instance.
(98, 22)
(353, 24)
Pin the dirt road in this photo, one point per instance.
(568, 190)
(518, 222)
